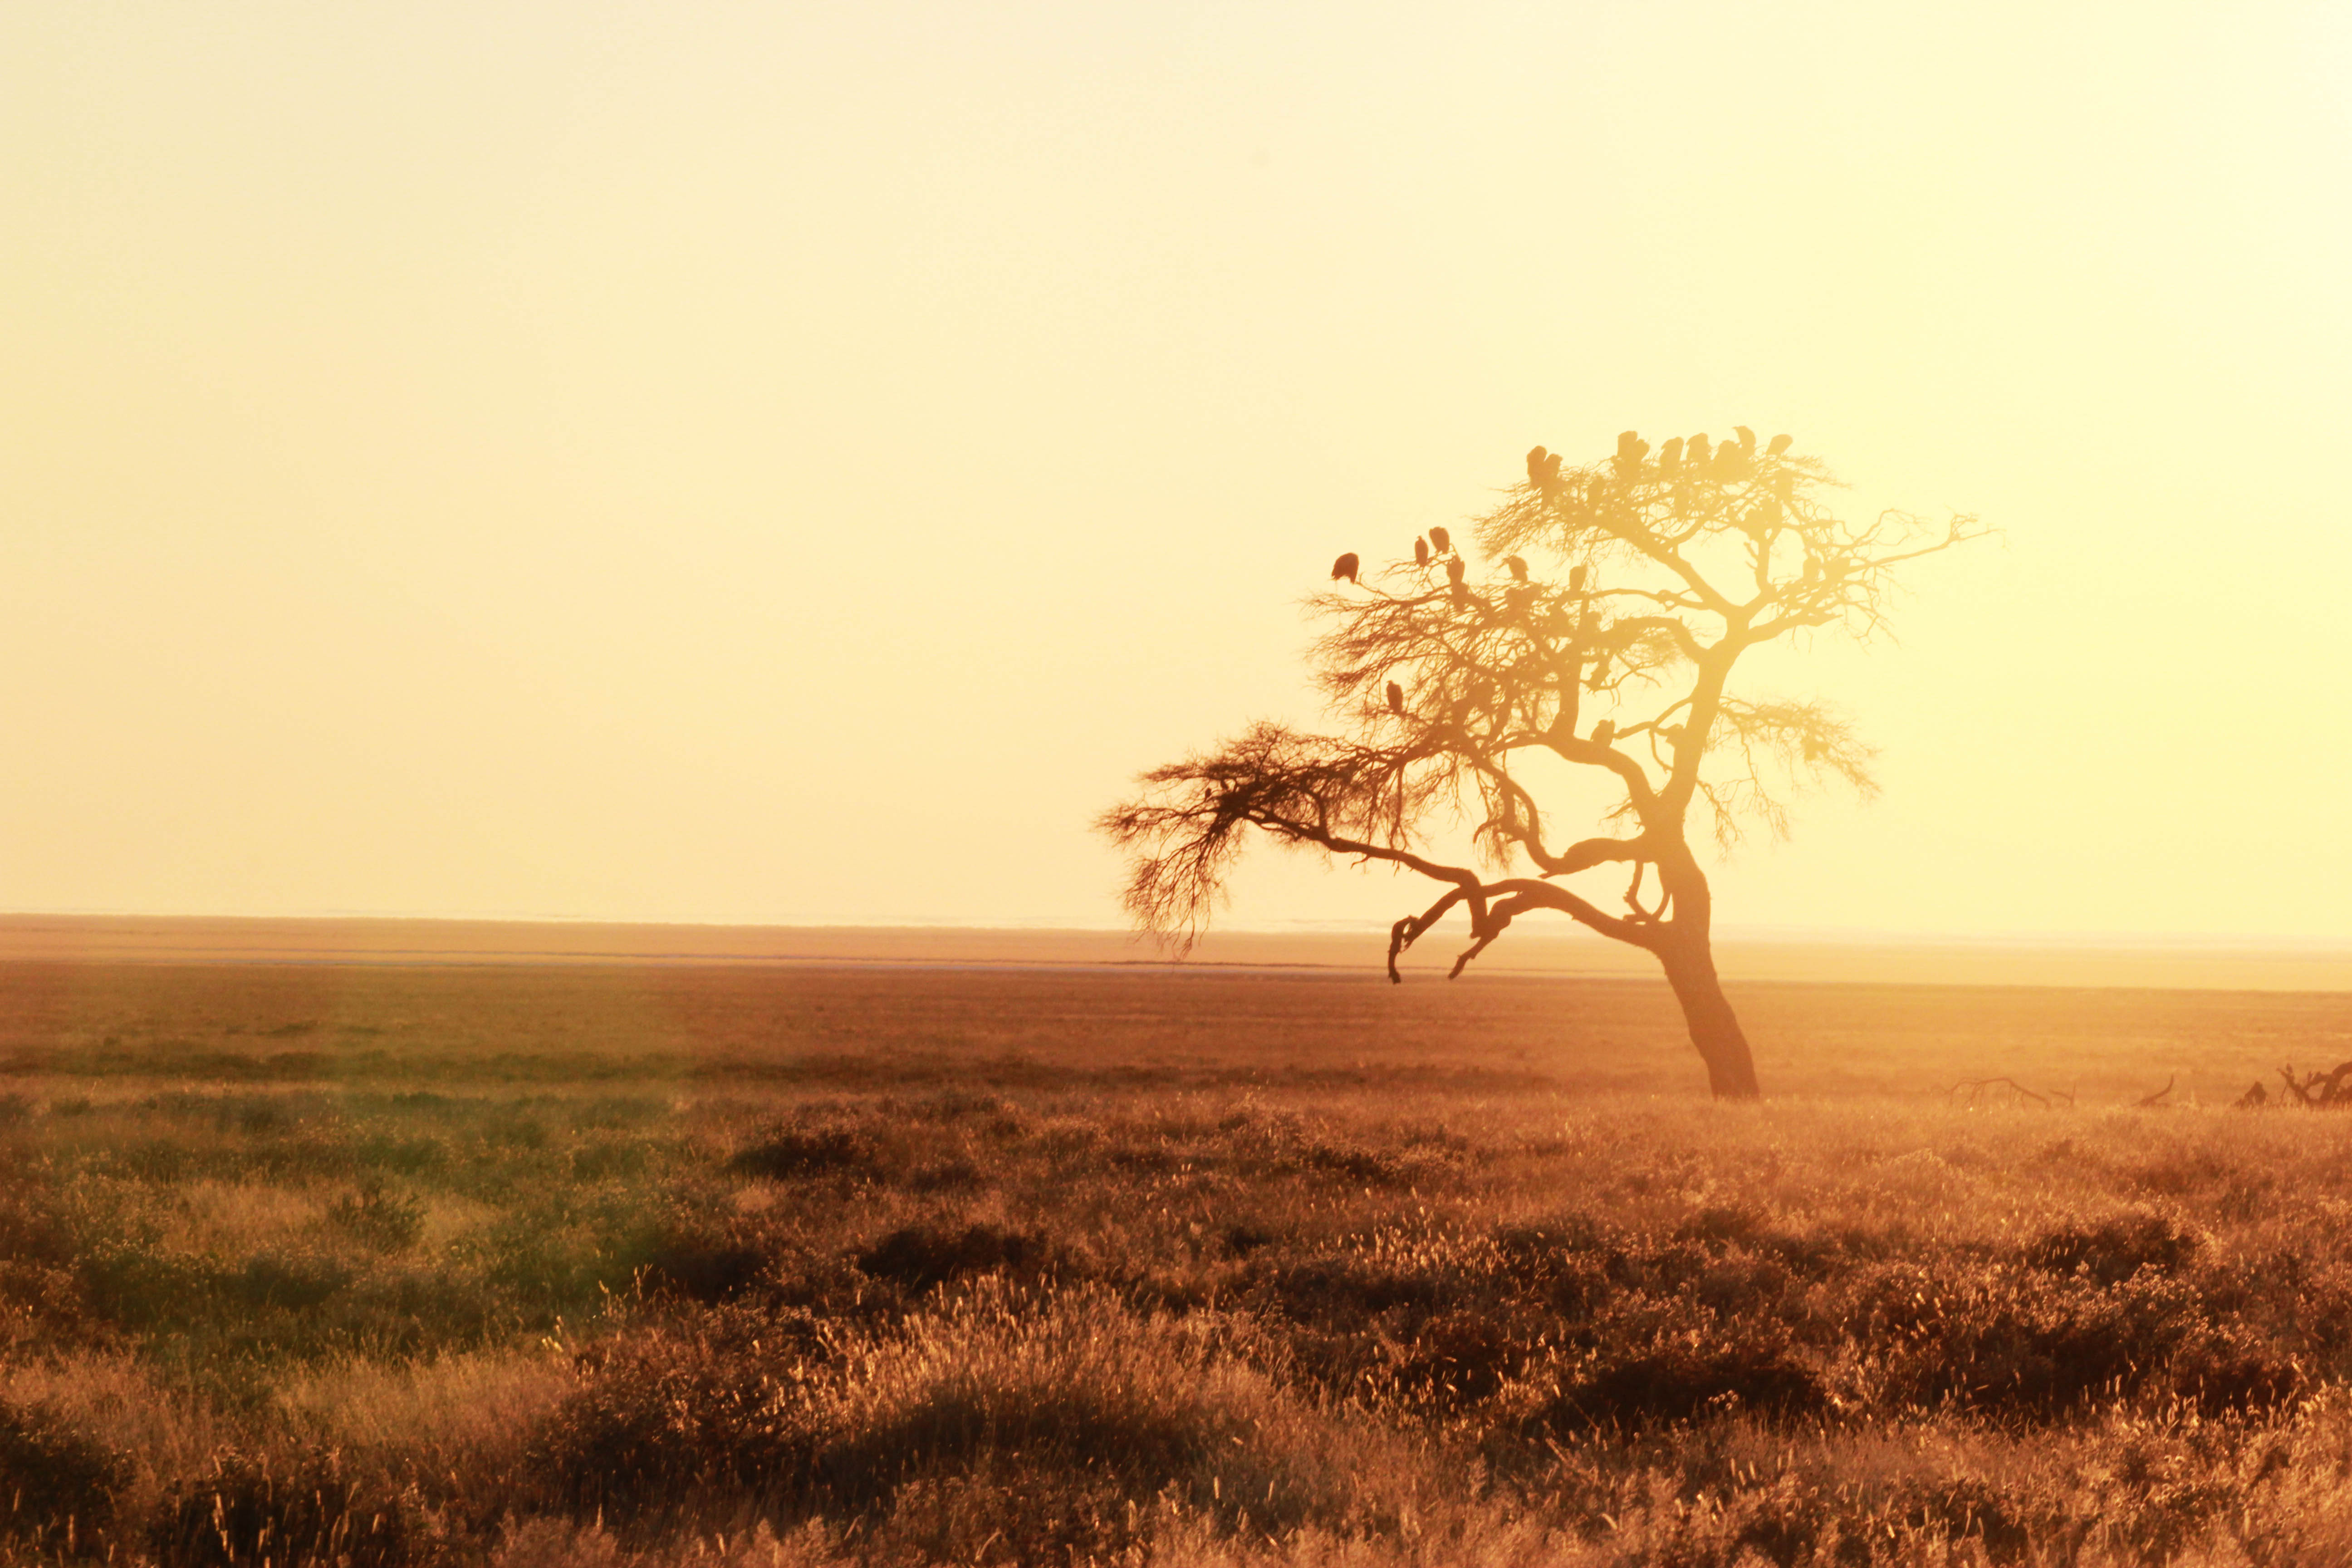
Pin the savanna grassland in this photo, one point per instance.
(539, 1265)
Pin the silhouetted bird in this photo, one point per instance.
(1441, 540)
(1779, 444)
(1519, 568)
(1599, 676)
(1461, 595)
(1536, 456)
(1396, 699)
(1576, 579)
(1670, 456)
(1631, 450)
(1419, 551)
(1344, 567)
(1604, 732)
(1746, 438)
(1697, 452)
(1453, 570)
(1730, 462)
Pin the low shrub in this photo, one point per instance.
(2114, 1249)
(984, 1390)
(252, 1509)
(790, 1153)
(58, 1483)
(921, 1258)
(379, 1217)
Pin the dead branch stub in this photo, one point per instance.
(2322, 1092)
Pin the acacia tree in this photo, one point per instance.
(1614, 652)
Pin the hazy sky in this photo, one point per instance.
(797, 462)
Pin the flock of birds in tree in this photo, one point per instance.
(1725, 462)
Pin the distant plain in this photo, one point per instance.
(548, 1261)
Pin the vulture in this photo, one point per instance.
(1604, 732)
(1576, 579)
(1536, 456)
(1441, 540)
(1631, 450)
(1396, 699)
(1781, 443)
(1419, 551)
(1344, 567)
(1519, 568)
(1730, 462)
(1453, 570)
(1746, 438)
(1461, 595)
(1696, 451)
(1670, 456)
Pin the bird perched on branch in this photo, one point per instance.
(1441, 540)
(1543, 469)
(1746, 438)
(1344, 567)
(1461, 594)
(1697, 452)
(1781, 443)
(1631, 450)
(1576, 575)
(1453, 570)
(1604, 732)
(1519, 568)
(1670, 456)
(1730, 462)
(1396, 699)
(1419, 551)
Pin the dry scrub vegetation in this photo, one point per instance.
(995, 1315)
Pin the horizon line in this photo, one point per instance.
(1785, 935)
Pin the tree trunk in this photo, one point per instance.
(1714, 1028)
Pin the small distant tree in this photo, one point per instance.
(1625, 594)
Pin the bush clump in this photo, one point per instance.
(379, 1217)
(792, 1153)
(58, 1483)
(991, 1392)
(2114, 1249)
(250, 1509)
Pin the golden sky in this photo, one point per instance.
(796, 462)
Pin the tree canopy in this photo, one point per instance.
(1617, 599)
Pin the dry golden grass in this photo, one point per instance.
(406, 1266)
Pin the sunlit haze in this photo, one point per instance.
(796, 464)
